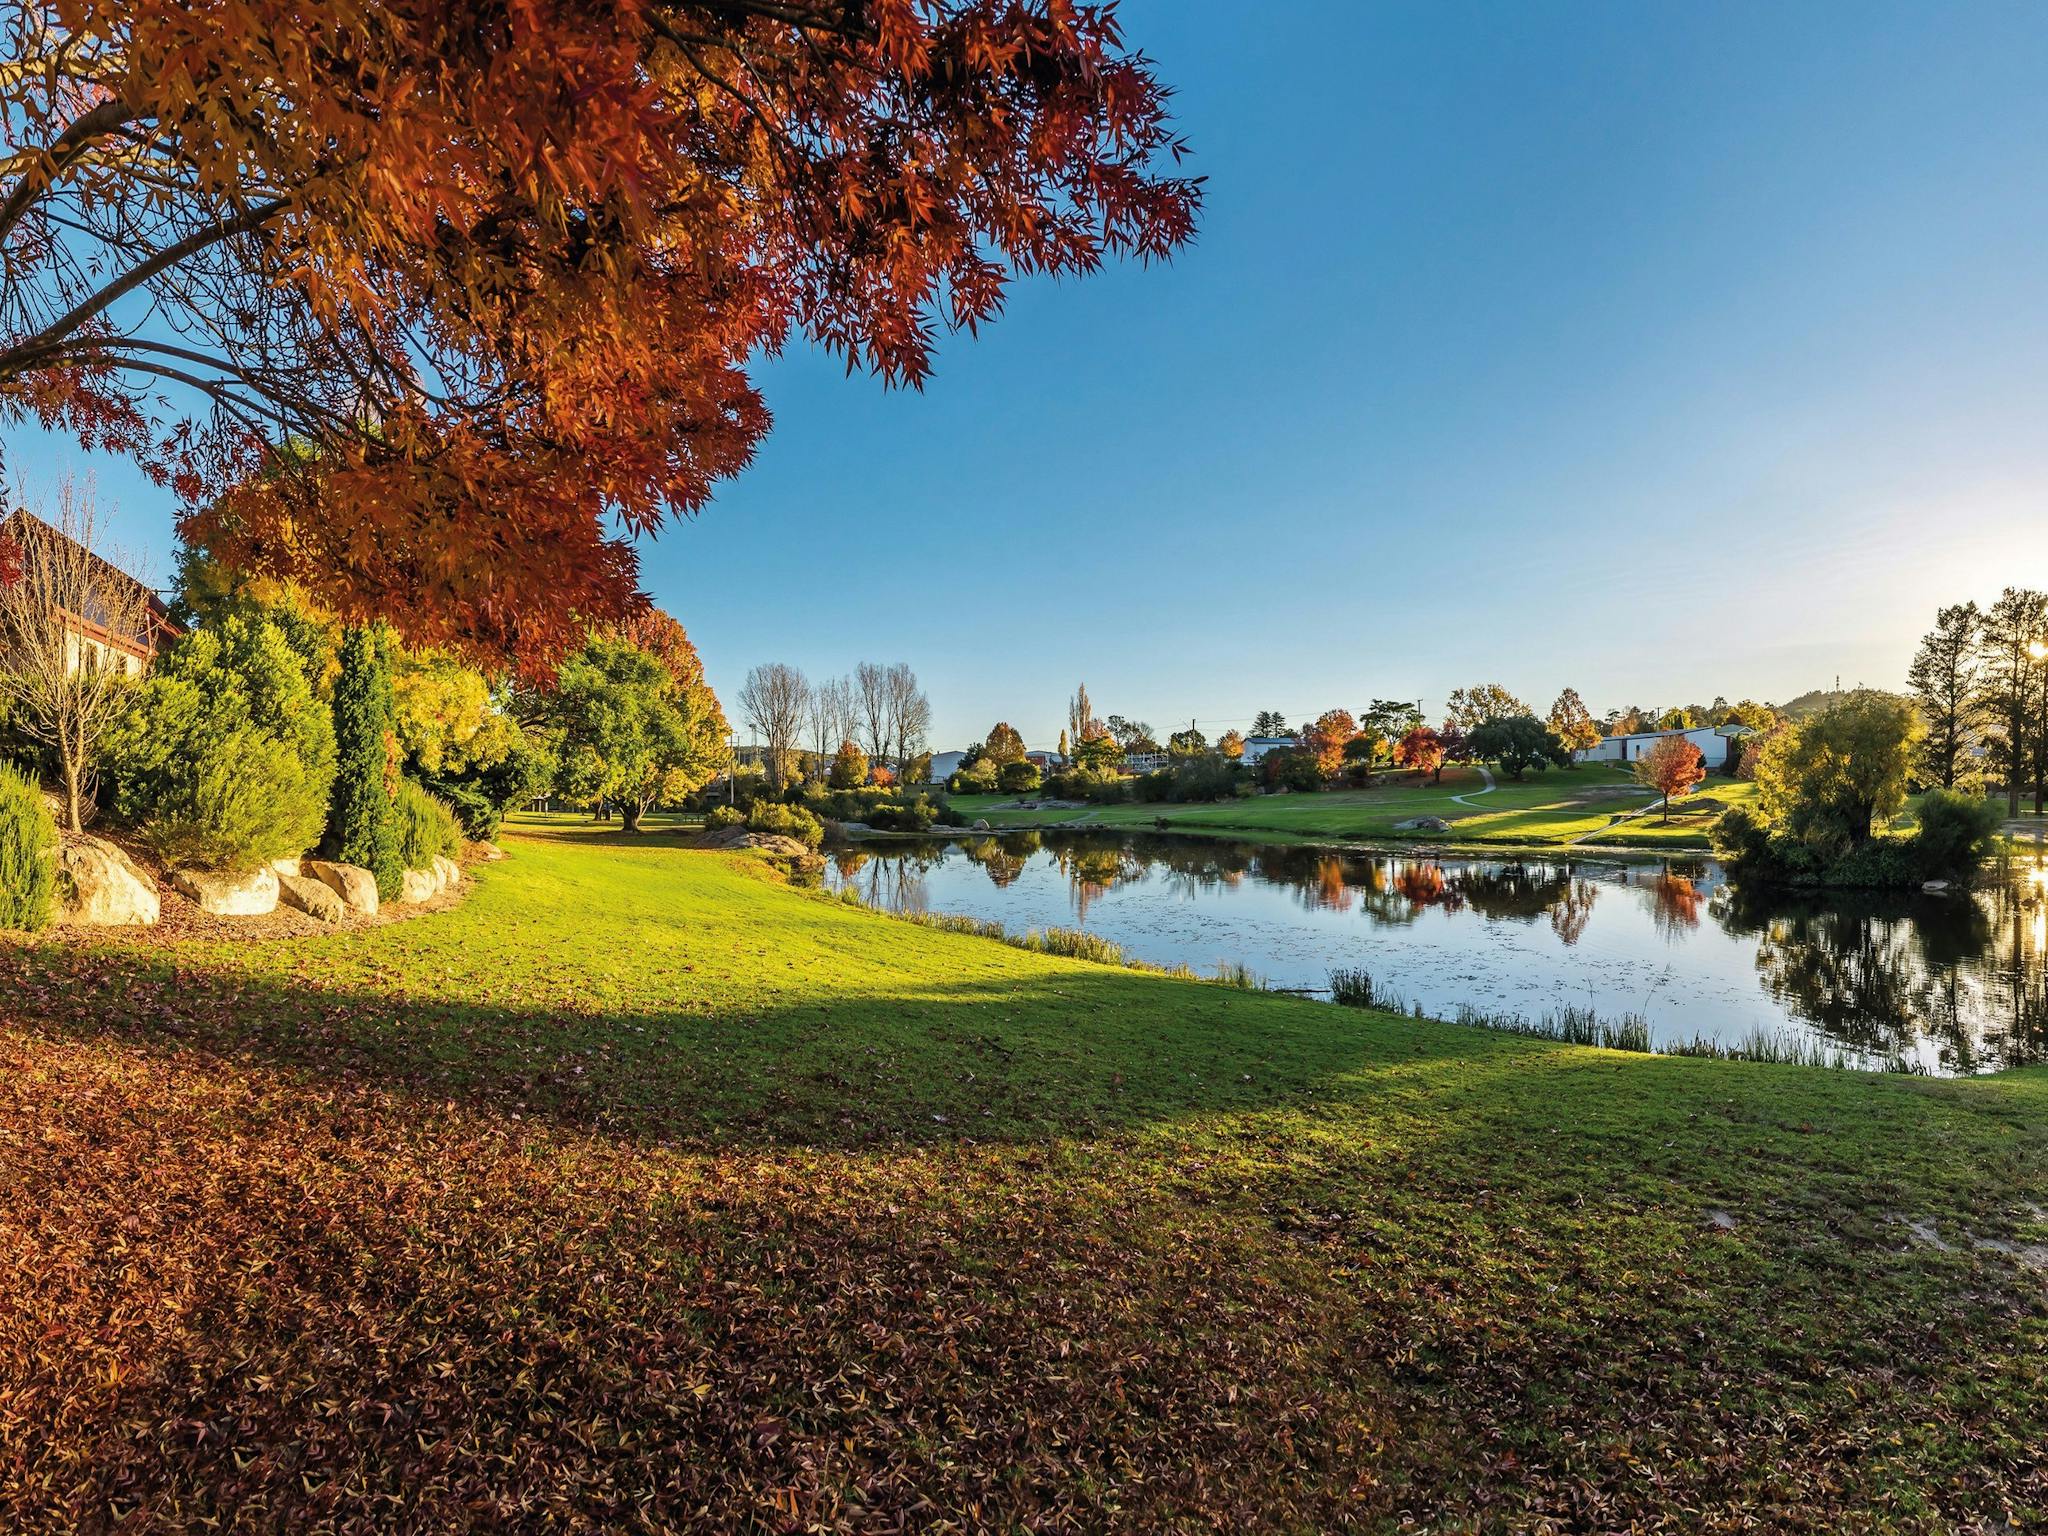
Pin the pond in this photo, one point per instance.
(1956, 983)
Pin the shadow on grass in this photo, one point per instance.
(1083, 1051)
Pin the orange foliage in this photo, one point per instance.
(464, 294)
(1324, 741)
(1671, 766)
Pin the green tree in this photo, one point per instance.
(1944, 678)
(362, 825)
(630, 735)
(1270, 723)
(225, 758)
(1827, 781)
(1190, 743)
(1517, 743)
(1019, 776)
(2013, 628)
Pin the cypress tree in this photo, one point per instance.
(362, 825)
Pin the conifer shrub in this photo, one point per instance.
(362, 821)
(28, 839)
(224, 758)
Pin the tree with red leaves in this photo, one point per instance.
(1671, 766)
(1421, 748)
(434, 305)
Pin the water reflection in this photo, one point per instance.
(1960, 981)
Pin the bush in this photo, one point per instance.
(28, 834)
(719, 817)
(224, 758)
(362, 821)
(975, 779)
(778, 820)
(479, 817)
(904, 816)
(426, 826)
(1955, 832)
(1020, 777)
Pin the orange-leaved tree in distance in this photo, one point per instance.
(1671, 766)
(1324, 741)
(1421, 748)
(433, 307)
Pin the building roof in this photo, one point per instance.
(25, 528)
(1682, 730)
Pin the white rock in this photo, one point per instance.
(313, 897)
(100, 884)
(355, 885)
(285, 867)
(418, 885)
(487, 853)
(449, 871)
(225, 895)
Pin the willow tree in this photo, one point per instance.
(435, 307)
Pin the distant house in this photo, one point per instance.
(944, 766)
(1256, 747)
(1717, 744)
(1047, 762)
(88, 640)
(1144, 762)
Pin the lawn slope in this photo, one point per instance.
(1577, 805)
(642, 1193)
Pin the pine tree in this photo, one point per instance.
(362, 823)
(2013, 626)
(1944, 678)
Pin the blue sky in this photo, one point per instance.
(1659, 350)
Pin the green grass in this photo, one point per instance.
(642, 1192)
(1576, 805)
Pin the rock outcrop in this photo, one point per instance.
(418, 885)
(99, 884)
(315, 898)
(355, 885)
(228, 895)
(449, 872)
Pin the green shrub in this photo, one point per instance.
(1955, 832)
(719, 817)
(224, 758)
(28, 836)
(425, 827)
(974, 779)
(479, 817)
(362, 821)
(1020, 777)
(786, 821)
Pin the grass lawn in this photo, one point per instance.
(642, 1193)
(1557, 807)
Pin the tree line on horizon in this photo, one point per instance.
(1980, 679)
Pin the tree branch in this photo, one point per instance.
(108, 117)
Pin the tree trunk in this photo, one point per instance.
(1667, 807)
(629, 815)
(71, 793)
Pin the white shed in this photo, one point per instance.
(1717, 743)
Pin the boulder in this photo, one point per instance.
(981, 826)
(228, 895)
(1934, 887)
(355, 885)
(315, 898)
(99, 884)
(1423, 824)
(449, 871)
(285, 867)
(418, 885)
(486, 853)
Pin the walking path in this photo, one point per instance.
(1486, 774)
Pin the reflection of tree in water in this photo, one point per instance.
(1002, 859)
(892, 881)
(1092, 868)
(1572, 910)
(1522, 892)
(1880, 972)
(1675, 904)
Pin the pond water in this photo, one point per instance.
(1958, 983)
